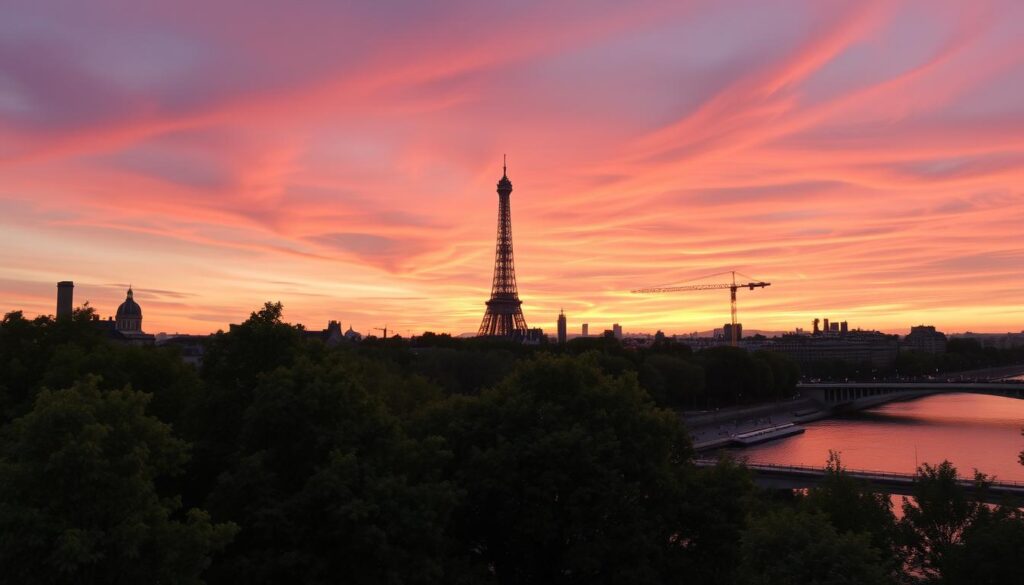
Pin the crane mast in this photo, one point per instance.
(732, 286)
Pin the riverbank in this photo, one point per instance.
(715, 429)
(711, 430)
(972, 431)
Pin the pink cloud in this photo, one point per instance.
(863, 156)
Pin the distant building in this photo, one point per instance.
(129, 315)
(191, 347)
(727, 331)
(997, 340)
(352, 335)
(586, 330)
(127, 328)
(332, 335)
(617, 331)
(856, 347)
(127, 323)
(333, 332)
(561, 327)
(65, 299)
(925, 339)
(534, 336)
(831, 328)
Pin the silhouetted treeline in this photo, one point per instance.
(672, 374)
(961, 355)
(283, 460)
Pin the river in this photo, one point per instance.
(972, 431)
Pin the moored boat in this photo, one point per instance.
(767, 434)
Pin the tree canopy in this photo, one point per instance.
(78, 494)
(431, 460)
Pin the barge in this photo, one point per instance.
(767, 434)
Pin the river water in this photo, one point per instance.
(972, 431)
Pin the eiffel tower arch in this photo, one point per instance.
(504, 314)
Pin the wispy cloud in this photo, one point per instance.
(863, 156)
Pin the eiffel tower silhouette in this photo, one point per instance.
(504, 314)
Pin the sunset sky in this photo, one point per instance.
(341, 157)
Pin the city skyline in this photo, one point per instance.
(66, 303)
(863, 157)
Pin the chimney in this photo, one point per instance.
(65, 299)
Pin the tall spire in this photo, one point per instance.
(504, 314)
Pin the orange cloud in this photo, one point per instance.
(863, 157)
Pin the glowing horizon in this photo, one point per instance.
(863, 157)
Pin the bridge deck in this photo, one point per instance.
(855, 396)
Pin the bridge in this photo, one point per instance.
(842, 397)
(772, 476)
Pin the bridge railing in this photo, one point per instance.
(861, 473)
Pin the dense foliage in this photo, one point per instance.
(435, 460)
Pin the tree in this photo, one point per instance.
(233, 364)
(56, 354)
(463, 371)
(953, 537)
(852, 507)
(260, 344)
(785, 373)
(570, 476)
(789, 547)
(78, 500)
(718, 504)
(936, 519)
(326, 485)
(991, 551)
(731, 375)
(915, 363)
(27, 350)
(671, 381)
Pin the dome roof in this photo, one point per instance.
(129, 308)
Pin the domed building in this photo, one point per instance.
(129, 315)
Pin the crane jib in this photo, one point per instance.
(732, 286)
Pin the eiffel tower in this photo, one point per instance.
(504, 314)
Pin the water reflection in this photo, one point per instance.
(972, 431)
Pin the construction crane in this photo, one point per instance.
(733, 287)
(384, 329)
